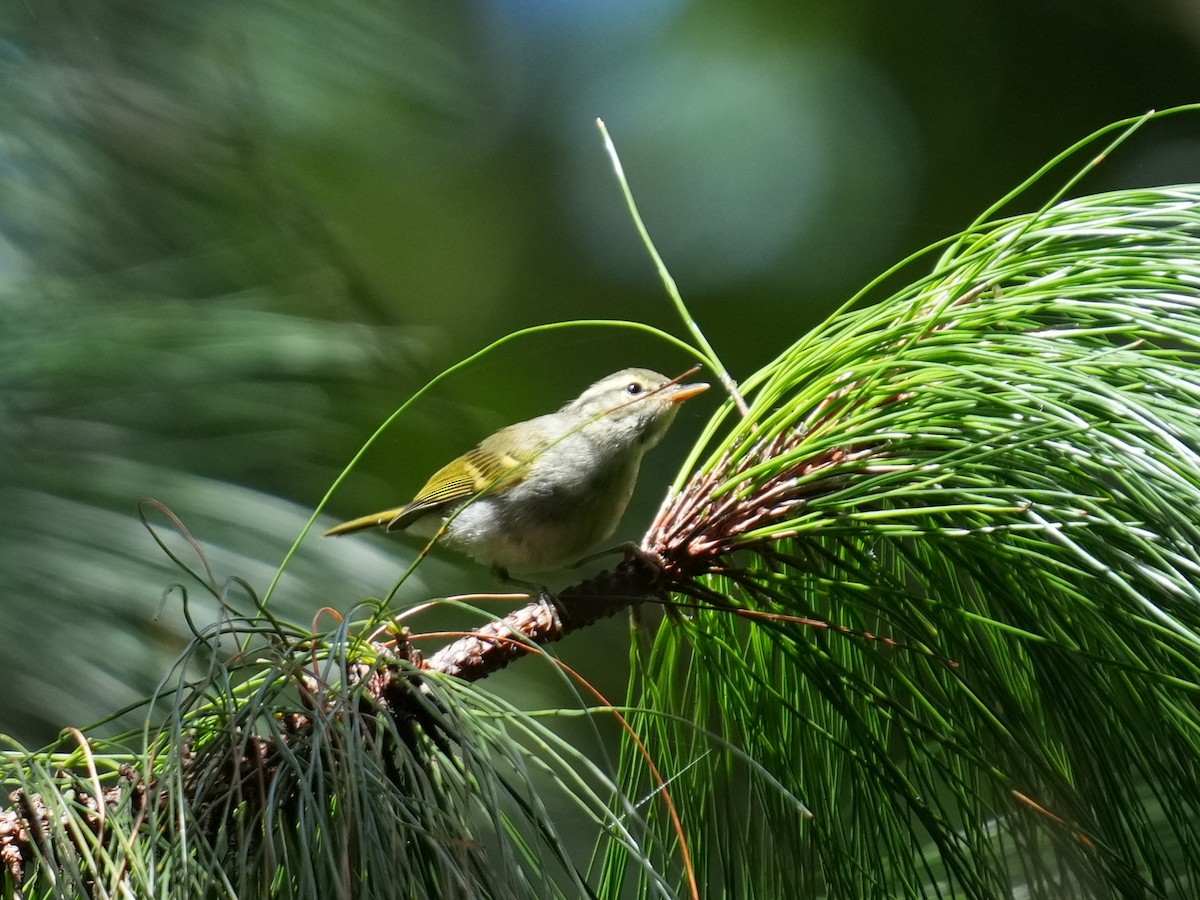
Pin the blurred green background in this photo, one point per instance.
(234, 237)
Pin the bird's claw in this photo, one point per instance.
(548, 599)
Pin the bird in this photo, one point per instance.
(536, 496)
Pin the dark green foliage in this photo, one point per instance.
(997, 471)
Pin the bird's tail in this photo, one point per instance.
(371, 521)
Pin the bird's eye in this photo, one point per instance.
(634, 388)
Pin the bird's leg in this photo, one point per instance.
(545, 595)
(642, 555)
(629, 550)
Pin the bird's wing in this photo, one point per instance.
(494, 466)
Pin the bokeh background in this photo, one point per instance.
(234, 237)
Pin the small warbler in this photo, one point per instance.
(536, 496)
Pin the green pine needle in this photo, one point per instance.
(998, 471)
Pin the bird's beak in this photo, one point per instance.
(686, 391)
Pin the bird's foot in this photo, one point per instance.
(558, 612)
(630, 551)
(545, 596)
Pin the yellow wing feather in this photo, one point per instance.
(485, 468)
(379, 518)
